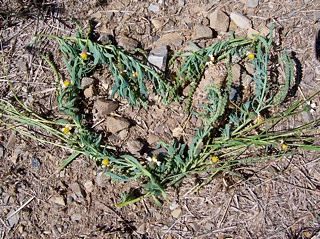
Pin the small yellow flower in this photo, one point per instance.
(66, 83)
(105, 162)
(251, 56)
(84, 55)
(259, 119)
(66, 129)
(284, 147)
(135, 74)
(214, 159)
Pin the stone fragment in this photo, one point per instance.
(134, 146)
(88, 185)
(77, 189)
(158, 57)
(154, 8)
(128, 43)
(59, 200)
(240, 20)
(219, 21)
(252, 3)
(202, 32)
(116, 124)
(86, 82)
(105, 107)
(88, 93)
(174, 39)
(176, 212)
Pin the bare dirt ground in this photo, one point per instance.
(275, 199)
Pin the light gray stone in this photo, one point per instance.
(240, 20)
(158, 57)
(219, 21)
(202, 32)
(154, 8)
(252, 3)
(86, 82)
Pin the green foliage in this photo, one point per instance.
(231, 134)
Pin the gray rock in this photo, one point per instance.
(240, 20)
(86, 82)
(35, 162)
(252, 3)
(202, 32)
(127, 43)
(105, 107)
(173, 38)
(134, 146)
(12, 220)
(154, 8)
(219, 21)
(158, 57)
(116, 124)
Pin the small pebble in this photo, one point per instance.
(252, 3)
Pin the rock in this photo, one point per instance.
(171, 39)
(116, 124)
(176, 212)
(88, 93)
(158, 57)
(219, 21)
(75, 217)
(152, 139)
(127, 43)
(236, 73)
(59, 200)
(12, 220)
(123, 134)
(86, 82)
(252, 3)
(156, 23)
(251, 33)
(202, 32)
(181, 3)
(77, 190)
(101, 179)
(191, 47)
(249, 68)
(1, 151)
(134, 146)
(240, 20)
(105, 107)
(35, 163)
(88, 185)
(154, 8)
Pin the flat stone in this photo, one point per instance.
(123, 134)
(252, 3)
(134, 146)
(59, 200)
(116, 124)
(88, 185)
(152, 139)
(219, 21)
(86, 82)
(202, 32)
(240, 20)
(157, 23)
(176, 212)
(105, 107)
(128, 43)
(89, 92)
(171, 39)
(77, 190)
(158, 57)
(154, 8)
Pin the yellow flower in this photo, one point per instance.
(105, 162)
(259, 119)
(66, 129)
(84, 55)
(284, 147)
(251, 56)
(214, 159)
(135, 74)
(66, 83)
